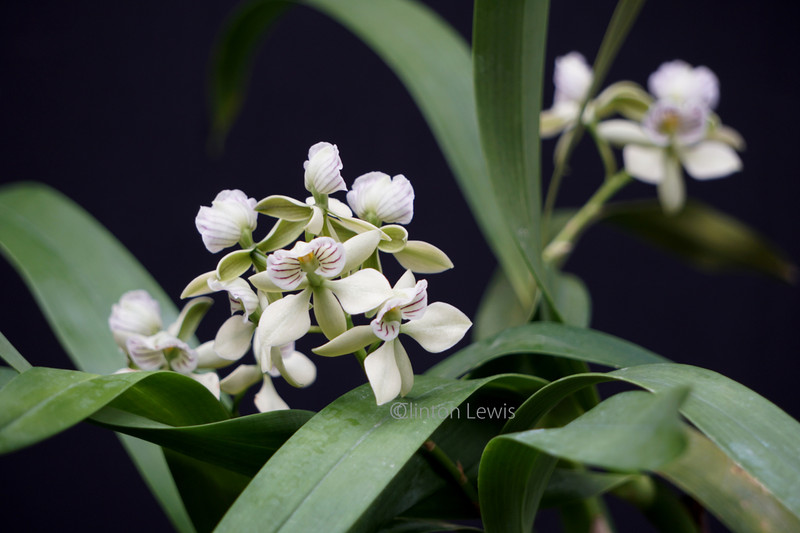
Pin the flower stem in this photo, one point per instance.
(455, 470)
(563, 243)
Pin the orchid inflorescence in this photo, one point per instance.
(333, 271)
(673, 126)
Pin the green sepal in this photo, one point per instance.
(285, 208)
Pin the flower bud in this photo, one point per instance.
(323, 168)
(231, 215)
(678, 82)
(136, 313)
(376, 196)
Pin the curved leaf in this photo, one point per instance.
(547, 338)
(76, 270)
(704, 237)
(350, 444)
(44, 401)
(759, 438)
(10, 355)
(441, 85)
(508, 39)
(241, 444)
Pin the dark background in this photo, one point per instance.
(106, 101)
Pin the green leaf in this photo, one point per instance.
(208, 490)
(756, 435)
(547, 338)
(10, 355)
(6, 375)
(719, 484)
(405, 525)
(441, 84)
(704, 237)
(240, 444)
(350, 444)
(629, 431)
(572, 298)
(500, 308)
(76, 270)
(508, 62)
(568, 486)
(44, 401)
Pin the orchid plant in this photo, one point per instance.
(493, 432)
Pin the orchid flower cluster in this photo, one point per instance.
(333, 271)
(671, 127)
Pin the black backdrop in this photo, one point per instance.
(106, 101)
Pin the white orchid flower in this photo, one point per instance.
(294, 366)
(671, 136)
(160, 351)
(245, 376)
(322, 169)
(136, 313)
(234, 336)
(230, 218)
(311, 267)
(572, 79)
(436, 327)
(679, 83)
(377, 198)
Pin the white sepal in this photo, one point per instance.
(710, 159)
(285, 320)
(263, 282)
(241, 296)
(295, 367)
(358, 248)
(234, 338)
(322, 169)
(242, 378)
(439, 329)
(623, 132)
(404, 366)
(572, 77)
(645, 163)
(672, 190)
(207, 357)
(328, 313)
(209, 380)
(406, 281)
(267, 398)
(364, 290)
(348, 342)
(383, 374)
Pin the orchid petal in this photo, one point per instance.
(419, 256)
(672, 191)
(384, 376)
(348, 342)
(398, 236)
(439, 329)
(331, 256)
(328, 313)
(144, 353)
(362, 291)
(282, 234)
(231, 214)
(406, 281)
(136, 313)
(209, 380)
(241, 296)
(285, 320)
(285, 208)
(267, 398)
(404, 366)
(284, 269)
(710, 159)
(358, 248)
(189, 318)
(263, 282)
(199, 285)
(242, 378)
(207, 357)
(645, 163)
(296, 368)
(234, 338)
(234, 265)
(315, 221)
(623, 132)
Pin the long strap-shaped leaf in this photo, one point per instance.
(76, 271)
(403, 33)
(755, 435)
(547, 338)
(508, 64)
(329, 474)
